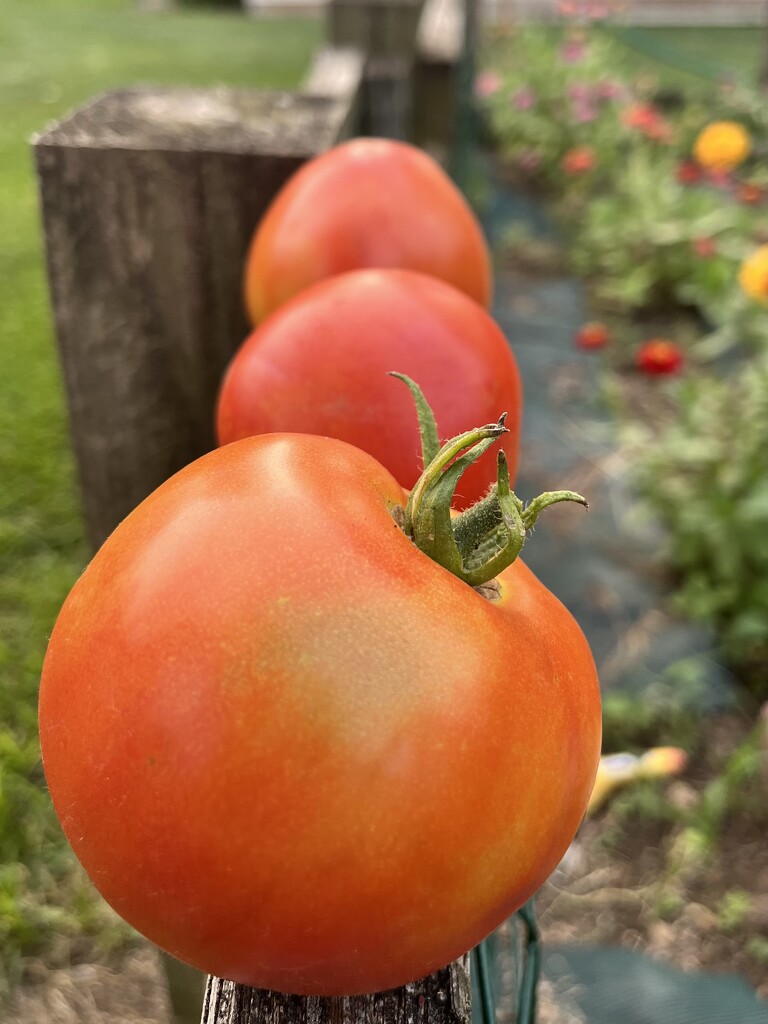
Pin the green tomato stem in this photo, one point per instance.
(477, 544)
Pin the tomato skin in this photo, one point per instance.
(320, 366)
(291, 749)
(365, 203)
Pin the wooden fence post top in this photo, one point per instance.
(442, 998)
(201, 121)
(440, 36)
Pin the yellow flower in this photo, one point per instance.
(753, 275)
(722, 145)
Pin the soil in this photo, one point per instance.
(630, 879)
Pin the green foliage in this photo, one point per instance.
(669, 904)
(733, 909)
(643, 240)
(48, 65)
(704, 476)
(644, 801)
(637, 242)
(660, 717)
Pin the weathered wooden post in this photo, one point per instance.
(149, 199)
(442, 998)
(440, 45)
(385, 30)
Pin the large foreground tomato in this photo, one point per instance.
(319, 366)
(366, 203)
(293, 750)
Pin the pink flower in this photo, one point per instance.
(583, 113)
(598, 12)
(523, 99)
(486, 84)
(572, 51)
(529, 160)
(610, 90)
(580, 92)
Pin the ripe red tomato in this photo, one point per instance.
(319, 366)
(293, 750)
(365, 203)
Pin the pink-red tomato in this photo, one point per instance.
(294, 751)
(320, 365)
(365, 203)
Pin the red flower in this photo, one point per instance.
(659, 356)
(706, 248)
(578, 160)
(592, 335)
(641, 115)
(647, 120)
(688, 173)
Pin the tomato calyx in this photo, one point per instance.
(477, 544)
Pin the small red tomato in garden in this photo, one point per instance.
(592, 335)
(293, 749)
(365, 203)
(319, 366)
(659, 356)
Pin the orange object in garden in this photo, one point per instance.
(722, 145)
(578, 160)
(753, 275)
(592, 335)
(659, 356)
(294, 749)
(319, 365)
(750, 194)
(365, 203)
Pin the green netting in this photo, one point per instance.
(618, 986)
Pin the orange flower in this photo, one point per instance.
(659, 356)
(722, 146)
(753, 275)
(592, 335)
(578, 160)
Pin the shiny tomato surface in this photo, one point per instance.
(365, 203)
(294, 751)
(320, 366)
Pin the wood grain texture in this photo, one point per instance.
(442, 998)
(149, 199)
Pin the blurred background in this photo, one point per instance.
(616, 154)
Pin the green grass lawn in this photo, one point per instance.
(55, 54)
